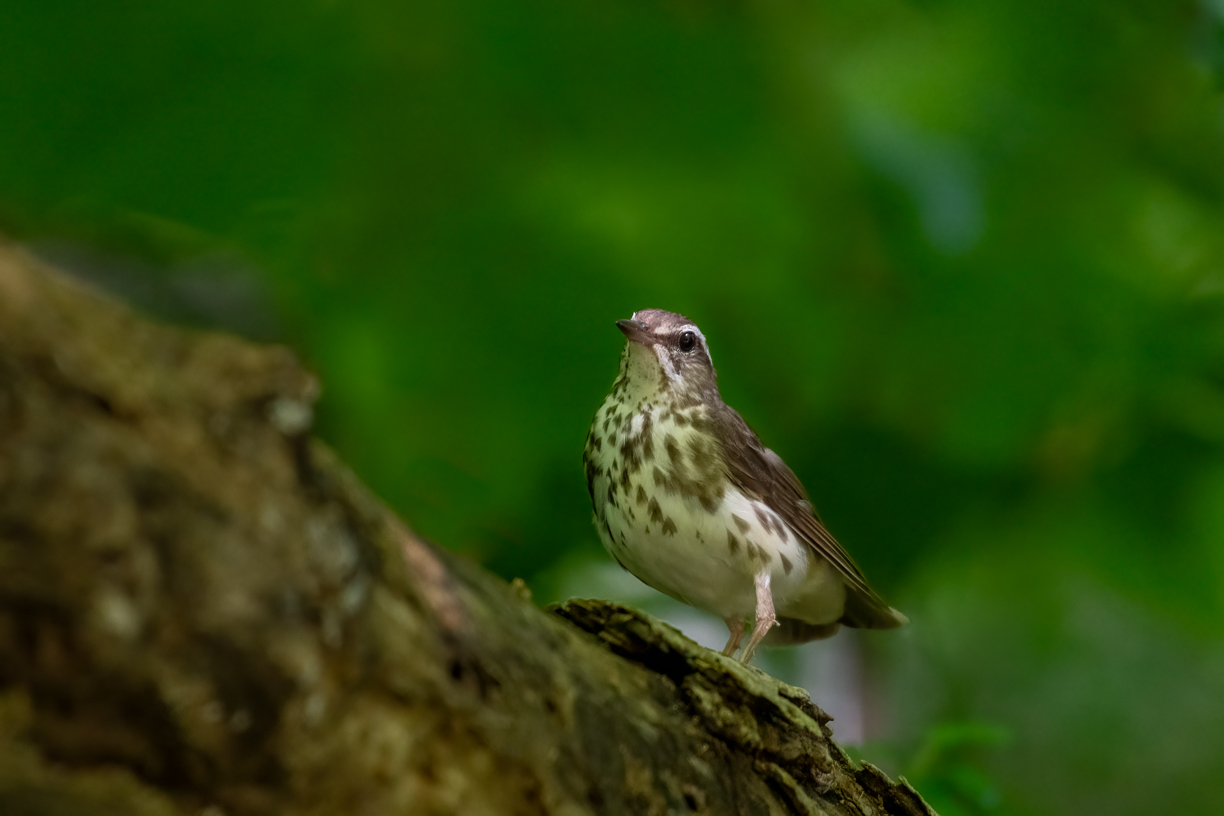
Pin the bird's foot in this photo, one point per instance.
(736, 627)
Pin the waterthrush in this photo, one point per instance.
(688, 499)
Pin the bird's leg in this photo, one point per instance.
(736, 625)
(765, 618)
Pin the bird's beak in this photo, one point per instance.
(635, 330)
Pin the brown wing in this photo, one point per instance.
(761, 474)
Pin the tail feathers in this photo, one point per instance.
(861, 612)
(864, 612)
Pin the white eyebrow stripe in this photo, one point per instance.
(687, 328)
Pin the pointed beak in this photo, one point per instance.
(635, 330)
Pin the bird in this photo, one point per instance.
(687, 498)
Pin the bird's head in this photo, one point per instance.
(667, 353)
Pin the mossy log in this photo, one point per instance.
(203, 612)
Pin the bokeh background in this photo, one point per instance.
(961, 264)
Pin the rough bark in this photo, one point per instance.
(202, 611)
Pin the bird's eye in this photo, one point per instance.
(688, 342)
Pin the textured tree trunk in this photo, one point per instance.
(202, 611)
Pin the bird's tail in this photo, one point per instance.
(869, 612)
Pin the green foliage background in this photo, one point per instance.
(961, 264)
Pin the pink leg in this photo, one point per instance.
(765, 618)
(736, 625)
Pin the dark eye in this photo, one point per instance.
(688, 342)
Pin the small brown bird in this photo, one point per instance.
(688, 499)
